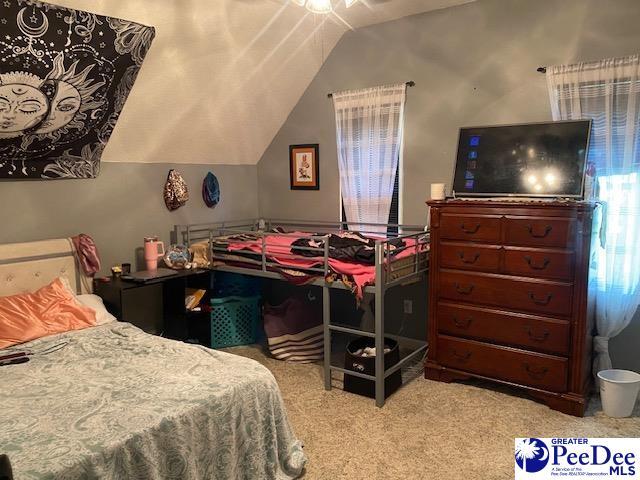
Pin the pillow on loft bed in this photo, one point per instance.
(49, 310)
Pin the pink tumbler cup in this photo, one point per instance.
(153, 250)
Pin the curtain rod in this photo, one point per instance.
(541, 69)
(410, 83)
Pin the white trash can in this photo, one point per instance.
(618, 391)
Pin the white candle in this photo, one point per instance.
(437, 191)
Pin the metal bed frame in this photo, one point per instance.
(385, 267)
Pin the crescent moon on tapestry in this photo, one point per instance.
(65, 76)
(34, 32)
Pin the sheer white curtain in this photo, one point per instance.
(608, 92)
(369, 126)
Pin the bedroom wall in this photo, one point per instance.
(218, 81)
(473, 64)
(121, 206)
(169, 119)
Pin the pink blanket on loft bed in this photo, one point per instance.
(278, 249)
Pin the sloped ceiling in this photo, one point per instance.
(222, 75)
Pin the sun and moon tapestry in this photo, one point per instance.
(64, 78)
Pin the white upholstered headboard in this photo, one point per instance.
(29, 266)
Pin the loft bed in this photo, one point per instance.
(302, 252)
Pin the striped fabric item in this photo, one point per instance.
(303, 347)
(294, 331)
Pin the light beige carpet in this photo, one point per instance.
(426, 430)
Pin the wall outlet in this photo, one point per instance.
(408, 306)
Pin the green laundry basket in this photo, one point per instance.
(234, 321)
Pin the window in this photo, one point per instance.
(394, 213)
(617, 177)
(369, 130)
(607, 92)
(621, 196)
(608, 101)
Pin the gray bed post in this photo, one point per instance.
(379, 324)
(326, 318)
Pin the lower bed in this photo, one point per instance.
(114, 402)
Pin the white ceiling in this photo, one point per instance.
(222, 75)
(370, 12)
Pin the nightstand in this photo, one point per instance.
(157, 306)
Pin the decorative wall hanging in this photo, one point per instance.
(210, 190)
(64, 78)
(304, 168)
(176, 193)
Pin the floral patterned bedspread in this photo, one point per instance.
(113, 402)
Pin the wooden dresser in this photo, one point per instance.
(509, 299)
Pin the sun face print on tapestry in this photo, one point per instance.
(64, 78)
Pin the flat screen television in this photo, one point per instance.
(529, 160)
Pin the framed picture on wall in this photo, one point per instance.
(304, 168)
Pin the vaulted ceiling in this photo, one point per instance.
(222, 75)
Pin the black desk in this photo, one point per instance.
(157, 306)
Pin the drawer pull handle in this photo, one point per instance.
(545, 263)
(537, 338)
(535, 373)
(463, 357)
(462, 323)
(547, 230)
(538, 301)
(469, 261)
(463, 290)
(470, 231)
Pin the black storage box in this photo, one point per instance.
(366, 365)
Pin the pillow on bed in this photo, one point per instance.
(96, 304)
(51, 309)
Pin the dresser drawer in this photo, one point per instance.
(537, 296)
(539, 263)
(469, 256)
(521, 330)
(510, 364)
(473, 228)
(540, 232)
